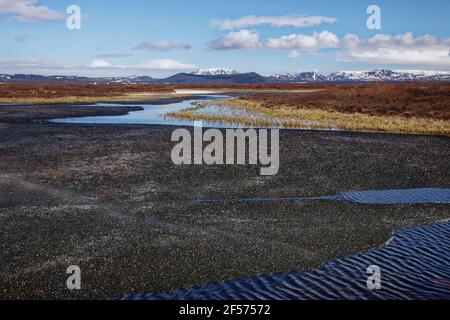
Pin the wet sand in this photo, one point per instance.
(109, 199)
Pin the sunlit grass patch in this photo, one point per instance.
(245, 112)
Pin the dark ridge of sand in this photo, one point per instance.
(109, 199)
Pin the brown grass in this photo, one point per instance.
(422, 108)
(312, 118)
(391, 107)
(63, 90)
(251, 87)
(418, 100)
(68, 91)
(423, 100)
(80, 92)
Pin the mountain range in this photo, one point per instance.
(224, 75)
(215, 72)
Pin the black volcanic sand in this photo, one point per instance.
(109, 199)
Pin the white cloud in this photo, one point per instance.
(398, 49)
(162, 45)
(165, 64)
(28, 11)
(426, 50)
(350, 40)
(406, 40)
(155, 64)
(98, 63)
(276, 21)
(243, 39)
(315, 41)
(401, 56)
(32, 65)
(37, 63)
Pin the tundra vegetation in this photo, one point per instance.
(422, 108)
(75, 92)
(408, 107)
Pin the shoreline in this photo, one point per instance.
(104, 197)
(415, 108)
(129, 106)
(254, 114)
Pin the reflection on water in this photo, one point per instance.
(223, 110)
(398, 196)
(151, 114)
(156, 113)
(414, 265)
(394, 196)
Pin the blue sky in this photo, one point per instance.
(160, 38)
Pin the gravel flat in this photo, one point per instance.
(108, 199)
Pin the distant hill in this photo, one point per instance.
(389, 75)
(298, 77)
(239, 78)
(73, 79)
(229, 76)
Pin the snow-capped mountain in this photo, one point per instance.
(389, 75)
(425, 75)
(375, 75)
(224, 75)
(300, 77)
(363, 76)
(215, 72)
(129, 80)
(74, 79)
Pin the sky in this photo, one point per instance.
(161, 38)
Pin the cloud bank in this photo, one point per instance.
(322, 40)
(398, 49)
(29, 11)
(155, 64)
(37, 64)
(381, 48)
(97, 64)
(275, 21)
(243, 39)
